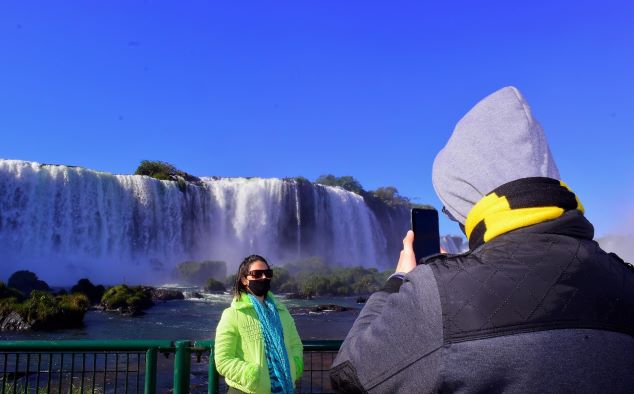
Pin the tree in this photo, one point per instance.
(197, 272)
(390, 196)
(214, 286)
(346, 182)
(26, 282)
(163, 171)
(94, 293)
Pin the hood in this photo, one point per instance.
(496, 142)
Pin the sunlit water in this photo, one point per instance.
(197, 319)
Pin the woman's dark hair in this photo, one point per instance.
(243, 271)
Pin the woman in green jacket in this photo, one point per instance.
(257, 348)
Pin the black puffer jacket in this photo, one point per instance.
(539, 309)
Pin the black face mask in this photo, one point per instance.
(260, 287)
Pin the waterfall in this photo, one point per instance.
(298, 216)
(66, 222)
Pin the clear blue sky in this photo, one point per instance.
(274, 89)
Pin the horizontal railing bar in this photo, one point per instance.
(322, 345)
(309, 345)
(135, 345)
(81, 345)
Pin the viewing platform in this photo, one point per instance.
(135, 366)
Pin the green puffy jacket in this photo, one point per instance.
(239, 347)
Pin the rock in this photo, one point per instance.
(196, 295)
(361, 300)
(127, 311)
(14, 322)
(166, 294)
(328, 308)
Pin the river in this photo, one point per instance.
(196, 319)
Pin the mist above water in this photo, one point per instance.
(65, 223)
(621, 240)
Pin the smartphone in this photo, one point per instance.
(424, 224)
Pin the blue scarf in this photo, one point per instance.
(276, 357)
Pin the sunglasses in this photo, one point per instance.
(257, 274)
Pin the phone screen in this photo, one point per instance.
(426, 233)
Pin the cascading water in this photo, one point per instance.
(68, 222)
(298, 216)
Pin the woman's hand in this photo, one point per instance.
(407, 260)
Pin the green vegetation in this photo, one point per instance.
(298, 179)
(165, 172)
(346, 182)
(214, 286)
(388, 195)
(94, 293)
(45, 311)
(130, 300)
(311, 277)
(197, 272)
(26, 282)
(8, 292)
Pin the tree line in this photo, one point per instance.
(387, 194)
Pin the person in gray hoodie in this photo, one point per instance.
(534, 305)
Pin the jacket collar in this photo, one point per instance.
(571, 223)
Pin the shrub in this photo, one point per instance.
(26, 282)
(311, 276)
(195, 272)
(45, 311)
(94, 293)
(7, 292)
(389, 195)
(298, 179)
(130, 299)
(163, 171)
(8, 305)
(214, 285)
(346, 182)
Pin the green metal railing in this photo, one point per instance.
(133, 366)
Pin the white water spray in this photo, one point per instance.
(67, 222)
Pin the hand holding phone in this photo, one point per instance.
(407, 261)
(424, 223)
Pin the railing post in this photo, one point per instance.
(150, 371)
(212, 387)
(182, 364)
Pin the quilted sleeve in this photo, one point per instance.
(228, 365)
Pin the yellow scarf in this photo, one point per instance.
(518, 204)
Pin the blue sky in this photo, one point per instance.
(275, 89)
